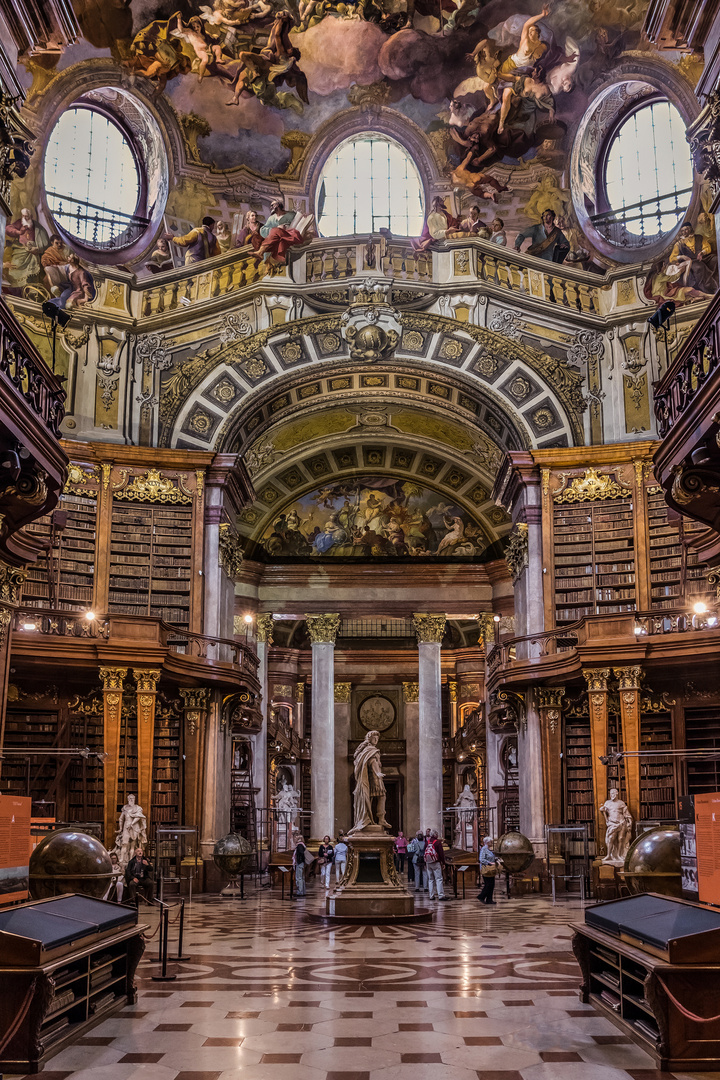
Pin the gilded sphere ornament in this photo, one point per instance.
(515, 851)
(652, 863)
(69, 861)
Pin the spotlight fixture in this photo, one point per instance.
(700, 608)
(56, 314)
(248, 619)
(29, 626)
(663, 315)
(90, 615)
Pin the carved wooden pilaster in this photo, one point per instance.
(597, 680)
(629, 679)
(12, 580)
(112, 680)
(196, 703)
(549, 702)
(146, 681)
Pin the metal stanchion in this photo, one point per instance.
(180, 932)
(164, 929)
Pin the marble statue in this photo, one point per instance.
(464, 825)
(368, 785)
(287, 801)
(132, 831)
(618, 833)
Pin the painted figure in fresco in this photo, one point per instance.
(222, 236)
(250, 232)
(436, 226)
(161, 258)
(332, 534)
(531, 48)
(547, 241)
(693, 257)
(206, 51)
(453, 537)
(199, 243)
(157, 54)
(480, 184)
(472, 225)
(54, 260)
(277, 236)
(499, 235)
(487, 65)
(30, 240)
(78, 287)
(526, 103)
(548, 195)
(369, 785)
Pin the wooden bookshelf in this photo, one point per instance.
(72, 559)
(33, 776)
(85, 786)
(676, 575)
(657, 774)
(702, 729)
(167, 761)
(594, 559)
(151, 561)
(577, 770)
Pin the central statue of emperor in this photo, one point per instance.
(368, 785)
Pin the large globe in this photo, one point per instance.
(516, 852)
(652, 863)
(232, 854)
(69, 861)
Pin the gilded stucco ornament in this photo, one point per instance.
(323, 628)
(370, 326)
(411, 692)
(590, 487)
(230, 553)
(265, 626)
(516, 553)
(78, 479)
(429, 628)
(153, 487)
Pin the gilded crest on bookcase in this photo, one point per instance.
(79, 479)
(152, 487)
(591, 487)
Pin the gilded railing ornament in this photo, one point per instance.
(429, 628)
(516, 553)
(591, 487)
(323, 628)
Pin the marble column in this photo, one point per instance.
(495, 778)
(429, 630)
(260, 757)
(218, 763)
(530, 775)
(196, 702)
(323, 630)
(343, 800)
(629, 679)
(411, 709)
(597, 680)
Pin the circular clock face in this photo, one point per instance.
(376, 713)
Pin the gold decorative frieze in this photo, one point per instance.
(343, 690)
(152, 487)
(411, 692)
(323, 628)
(591, 487)
(283, 691)
(429, 628)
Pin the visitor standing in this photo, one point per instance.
(325, 861)
(488, 871)
(435, 867)
(299, 864)
(341, 854)
(400, 851)
(416, 850)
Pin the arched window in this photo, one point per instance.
(646, 175)
(93, 184)
(369, 183)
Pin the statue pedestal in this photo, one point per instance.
(371, 887)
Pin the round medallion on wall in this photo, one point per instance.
(376, 713)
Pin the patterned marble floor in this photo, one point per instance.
(479, 994)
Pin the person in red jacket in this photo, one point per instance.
(435, 866)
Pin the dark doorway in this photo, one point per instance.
(393, 802)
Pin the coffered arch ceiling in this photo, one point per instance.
(495, 383)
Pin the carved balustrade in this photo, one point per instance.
(690, 372)
(28, 375)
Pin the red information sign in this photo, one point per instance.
(14, 847)
(707, 839)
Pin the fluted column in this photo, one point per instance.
(411, 707)
(112, 680)
(146, 681)
(629, 679)
(429, 630)
(323, 630)
(597, 680)
(549, 701)
(530, 774)
(343, 800)
(265, 627)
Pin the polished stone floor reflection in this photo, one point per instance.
(479, 994)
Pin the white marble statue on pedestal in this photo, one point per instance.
(287, 801)
(618, 832)
(464, 825)
(369, 785)
(132, 831)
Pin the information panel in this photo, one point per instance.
(707, 843)
(14, 847)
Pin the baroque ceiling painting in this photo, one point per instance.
(374, 516)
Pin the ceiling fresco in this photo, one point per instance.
(493, 91)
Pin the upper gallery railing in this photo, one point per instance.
(26, 372)
(686, 377)
(327, 262)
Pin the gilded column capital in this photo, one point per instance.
(429, 628)
(596, 678)
(411, 692)
(343, 691)
(112, 677)
(197, 697)
(453, 688)
(323, 628)
(147, 679)
(300, 692)
(629, 678)
(265, 626)
(12, 579)
(550, 697)
(486, 627)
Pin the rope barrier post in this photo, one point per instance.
(180, 932)
(163, 976)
